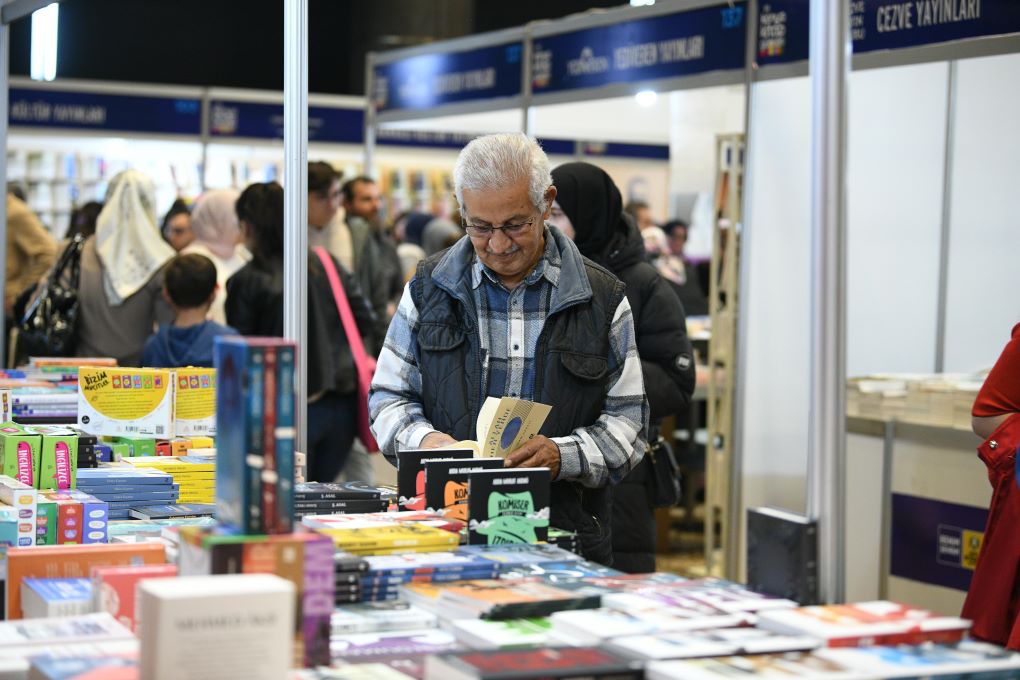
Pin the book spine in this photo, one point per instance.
(318, 600)
(285, 439)
(253, 459)
(269, 472)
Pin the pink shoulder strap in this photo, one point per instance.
(343, 306)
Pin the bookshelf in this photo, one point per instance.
(723, 309)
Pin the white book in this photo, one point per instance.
(216, 627)
(21, 633)
(512, 634)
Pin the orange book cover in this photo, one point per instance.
(504, 592)
(71, 561)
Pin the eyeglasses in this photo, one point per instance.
(485, 231)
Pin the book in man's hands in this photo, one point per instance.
(504, 425)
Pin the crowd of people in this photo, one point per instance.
(598, 322)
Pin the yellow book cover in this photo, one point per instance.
(125, 401)
(195, 402)
(504, 425)
(391, 536)
(168, 464)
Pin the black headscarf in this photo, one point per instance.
(590, 199)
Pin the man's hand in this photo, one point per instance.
(436, 440)
(538, 452)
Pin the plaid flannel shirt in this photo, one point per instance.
(510, 323)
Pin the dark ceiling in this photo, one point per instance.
(239, 43)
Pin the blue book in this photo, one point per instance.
(124, 513)
(141, 489)
(285, 438)
(239, 433)
(139, 498)
(173, 511)
(122, 476)
(46, 597)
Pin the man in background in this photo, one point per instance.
(642, 214)
(363, 202)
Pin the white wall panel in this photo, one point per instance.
(895, 139)
(984, 265)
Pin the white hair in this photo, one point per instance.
(499, 161)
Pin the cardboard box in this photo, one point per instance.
(195, 402)
(58, 457)
(20, 449)
(126, 402)
(70, 561)
(22, 500)
(49, 597)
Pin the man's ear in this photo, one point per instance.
(550, 196)
(166, 296)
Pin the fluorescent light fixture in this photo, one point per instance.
(44, 42)
(639, 3)
(646, 97)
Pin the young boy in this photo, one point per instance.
(189, 285)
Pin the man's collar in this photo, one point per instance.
(548, 265)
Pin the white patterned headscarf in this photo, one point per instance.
(128, 242)
(214, 222)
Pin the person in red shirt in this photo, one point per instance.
(993, 601)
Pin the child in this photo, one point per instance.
(189, 287)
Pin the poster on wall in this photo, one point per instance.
(935, 542)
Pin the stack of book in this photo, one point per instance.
(585, 662)
(348, 571)
(45, 404)
(878, 622)
(386, 573)
(387, 538)
(424, 518)
(194, 475)
(396, 645)
(558, 572)
(562, 538)
(511, 556)
(496, 599)
(126, 487)
(48, 597)
(380, 617)
(320, 498)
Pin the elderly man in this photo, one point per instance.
(514, 310)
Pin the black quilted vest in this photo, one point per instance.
(574, 346)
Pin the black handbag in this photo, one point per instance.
(49, 327)
(663, 479)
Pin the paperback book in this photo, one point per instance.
(411, 473)
(565, 662)
(446, 484)
(508, 506)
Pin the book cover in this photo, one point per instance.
(967, 659)
(562, 662)
(195, 402)
(239, 442)
(105, 667)
(317, 507)
(49, 597)
(511, 555)
(393, 536)
(63, 630)
(505, 424)
(782, 554)
(285, 424)
(63, 561)
(23, 502)
(368, 520)
(791, 664)
(173, 511)
(216, 627)
(20, 449)
(508, 506)
(555, 572)
(124, 475)
(125, 401)
(513, 634)
(46, 522)
(58, 458)
(446, 484)
(341, 491)
(411, 473)
(498, 599)
(269, 472)
(877, 622)
(396, 643)
(427, 563)
(114, 588)
(374, 617)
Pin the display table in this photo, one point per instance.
(917, 499)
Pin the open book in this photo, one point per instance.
(504, 424)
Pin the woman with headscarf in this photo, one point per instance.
(588, 206)
(120, 290)
(218, 237)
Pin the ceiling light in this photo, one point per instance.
(646, 97)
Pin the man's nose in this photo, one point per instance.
(499, 242)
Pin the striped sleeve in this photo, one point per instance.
(394, 401)
(604, 452)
